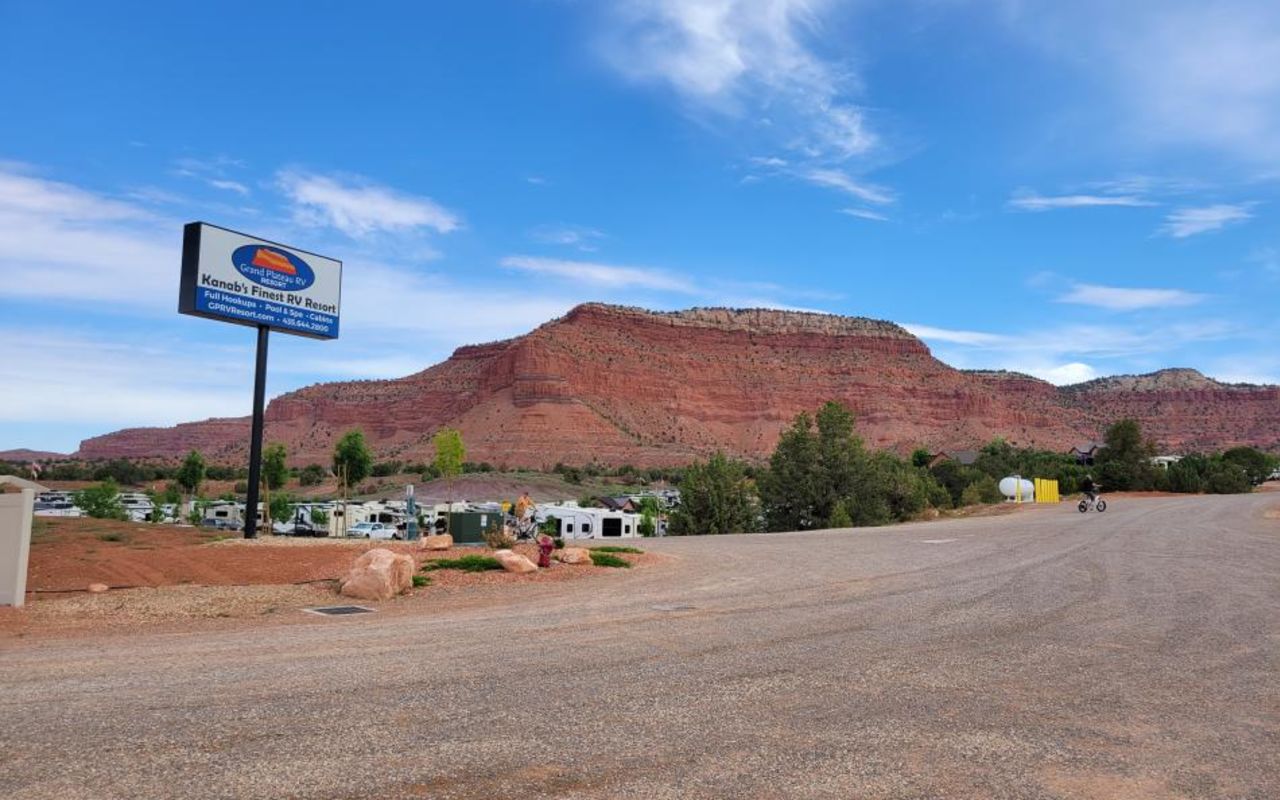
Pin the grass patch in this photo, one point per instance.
(112, 537)
(471, 563)
(420, 581)
(613, 548)
(608, 560)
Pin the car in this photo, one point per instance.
(373, 530)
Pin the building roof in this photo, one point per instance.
(22, 483)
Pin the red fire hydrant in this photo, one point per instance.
(545, 545)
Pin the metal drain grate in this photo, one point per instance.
(339, 611)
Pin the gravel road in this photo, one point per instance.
(1044, 654)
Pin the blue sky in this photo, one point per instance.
(1070, 190)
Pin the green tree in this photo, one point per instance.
(715, 497)
(1256, 464)
(790, 490)
(1226, 477)
(352, 460)
(192, 472)
(450, 454)
(319, 516)
(1187, 474)
(1125, 463)
(281, 506)
(920, 457)
(101, 501)
(275, 472)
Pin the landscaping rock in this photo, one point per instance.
(98, 588)
(575, 555)
(378, 574)
(514, 562)
(440, 542)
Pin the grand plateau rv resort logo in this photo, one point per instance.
(273, 267)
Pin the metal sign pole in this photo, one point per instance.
(255, 436)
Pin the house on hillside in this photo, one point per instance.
(965, 458)
(1085, 452)
(625, 504)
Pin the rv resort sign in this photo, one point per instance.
(234, 277)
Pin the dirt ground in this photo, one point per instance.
(166, 574)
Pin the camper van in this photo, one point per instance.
(575, 522)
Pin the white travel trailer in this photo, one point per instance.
(575, 522)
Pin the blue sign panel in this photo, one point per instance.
(260, 311)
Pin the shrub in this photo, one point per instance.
(421, 580)
(467, 563)
(385, 469)
(616, 549)
(840, 517)
(1224, 477)
(101, 501)
(496, 537)
(312, 475)
(608, 560)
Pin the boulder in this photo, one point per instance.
(97, 588)
(440, 542)
(379, 574)
(575, 555)
(512, 561)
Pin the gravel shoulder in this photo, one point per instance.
(1040, 655)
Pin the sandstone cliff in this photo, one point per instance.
(622, 385)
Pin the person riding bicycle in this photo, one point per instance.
(524, 513)
(1089, 488)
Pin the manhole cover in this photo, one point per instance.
(673, 608)
(339, 611)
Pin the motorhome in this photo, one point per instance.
(576, 522)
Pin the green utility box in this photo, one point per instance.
(468, 527)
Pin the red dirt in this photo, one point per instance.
(69, 554)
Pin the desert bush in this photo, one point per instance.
(608, 560)
(468, 563)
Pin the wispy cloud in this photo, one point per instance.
(862, 213)
(358, 207)
(579, 236)
(838, 179)
(609, 275)
(1030, 201)
(755, 67)
(1177, 73)
(1186, 222)
(84, 245)
(954, 336)
(230, 186)
(1115, 298)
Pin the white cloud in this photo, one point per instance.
(862, 213)
(568, 235)
(1176, 73)
(1121, 299)
(1029, 201)
(230, 186)
(1191, 221)
(953, 336)
(118, 381)
(608, 275)
(358, 207)
(1064, 374)
(751, 63)
(74, 244)
(837, 179)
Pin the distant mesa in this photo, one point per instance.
(619, 385)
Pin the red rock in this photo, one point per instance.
(626, 386)
(575, 555)
(378, 574)
(512, 561)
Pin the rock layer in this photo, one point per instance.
(620, 385)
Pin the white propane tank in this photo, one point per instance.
(1020, 488)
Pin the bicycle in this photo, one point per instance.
(1091, 502)
(526, 528)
